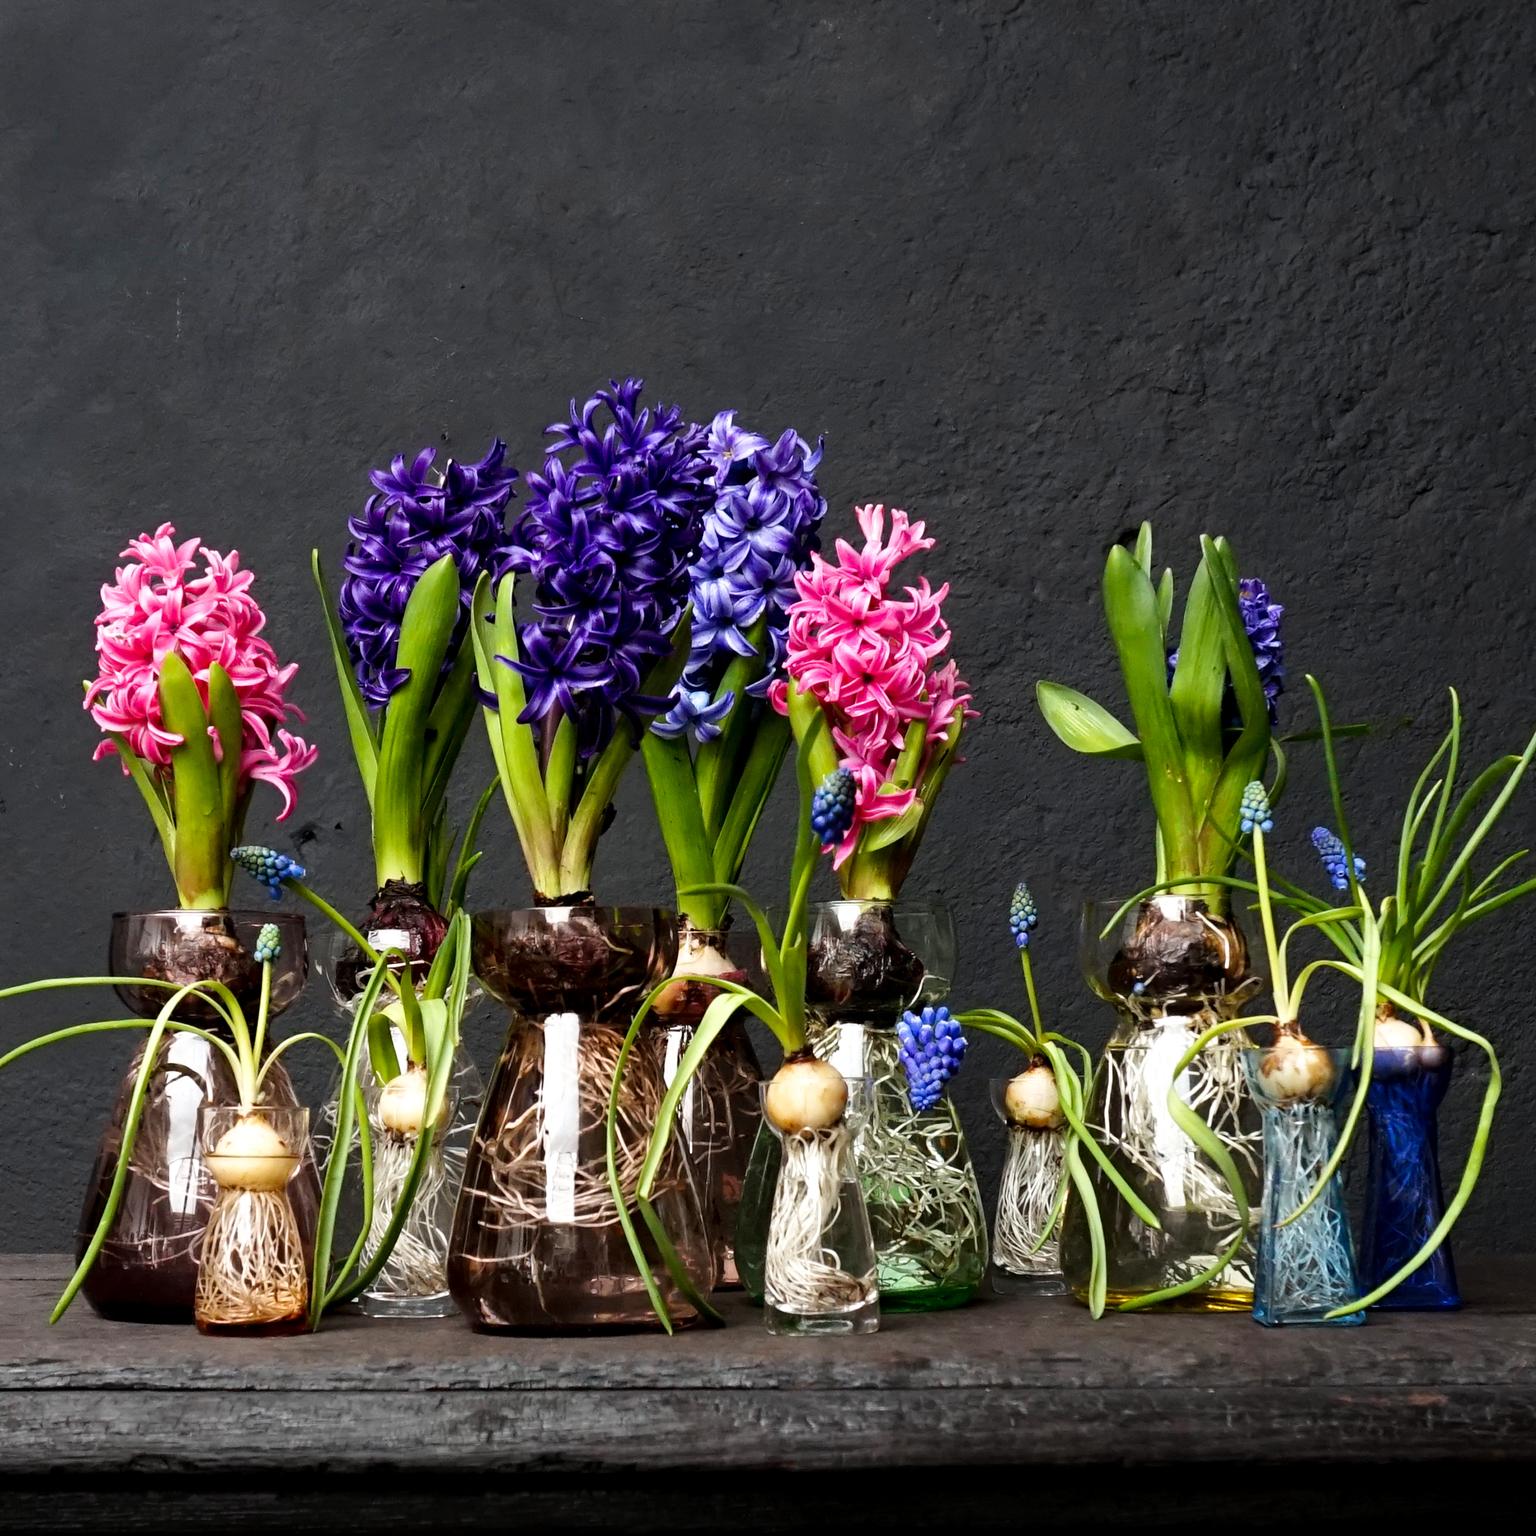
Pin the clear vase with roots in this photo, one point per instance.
(1026, 1232)
(819, 1268)
(1173, 967)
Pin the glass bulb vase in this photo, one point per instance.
(1026, 1232)
(538, 1244)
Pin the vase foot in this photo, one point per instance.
(1006, 1283)
(929, 1298)
(438, 1304)
(864, 1318)
(1209, 1300)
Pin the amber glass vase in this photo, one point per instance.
(1172, 967)
(147, 1268)
(538, 1244)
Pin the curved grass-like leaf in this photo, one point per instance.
(360, 726)
(1083, 725)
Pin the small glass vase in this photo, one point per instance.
(146, 1270)
(538, 1244)
(1404, 1200)
(867, 962)
(720, 1111)
(819, 1265)
(1172, 967)
(1026, 1233)
(1305, 1266)
(253, 1266)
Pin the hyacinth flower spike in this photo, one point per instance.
(400, 643)
(1052, 1092)
(193, 702)
(713, 757)
(582, 635)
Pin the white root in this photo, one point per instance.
(1027, 1203)
(251, 1272)
(417, 1265)
(803, 1275)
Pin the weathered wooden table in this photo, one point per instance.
(1000, 1415)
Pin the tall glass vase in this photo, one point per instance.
(1306, 1263)
(1172, 967)
(146, 1270)
(1026, 1232)
(720, 1110)
(538, 1243)
(1404, 1200)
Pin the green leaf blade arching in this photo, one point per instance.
(1084, 725)
(1199, 685)
(360, 728)
(197, 792)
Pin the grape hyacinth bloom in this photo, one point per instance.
(410, 522)
(832, 807)
(761, 529)
(931, 1047)
(1330, 849)
(1022, 916)
(268, 866)
(269, 944)
(1254, 811)
(607, 535)
(873, 661)
(156, 607)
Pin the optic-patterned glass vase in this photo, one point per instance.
(147, 1268)
(1306, 1264)
(1172, 967)
(1404, 1200)
(1026, 1232)
(538, 1243)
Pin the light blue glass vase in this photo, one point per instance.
(1306, 1266)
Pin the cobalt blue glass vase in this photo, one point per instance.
(1305, 1266)
(1404, 1200)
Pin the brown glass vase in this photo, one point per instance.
(147, 1268)
(538, 1244)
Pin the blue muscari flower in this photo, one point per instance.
(1022, 915)
(409, 523)
(1330, 849)
(1254, 811)
(269, 944)
(268, 866)
(931, 1047)
(833, 805)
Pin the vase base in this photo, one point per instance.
(1048, 1283)
(1398, 1302)
(859, 1320)
(278, 1328)
(1212, 1299)
(439, 1304)
(1314, 1318)
(929, 1298)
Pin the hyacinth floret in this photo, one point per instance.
(1022, 916)
(832, 807)
(1261, 620)
(874, 661)
(269, 944)
(268, 866)
(413, 519)
(1254, 812)
(760, 530)
(607, 534)
(1330, 849)
(931, 1047)
(160, 603)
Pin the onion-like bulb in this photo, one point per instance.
(1398, 1034)
(806, 1094)
(1032, 1099)
(1294, 1069)
(403, 1102)
(251, 1155)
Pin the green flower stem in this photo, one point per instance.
(1276, 956)
(1027, 965)
(321, 905)
(675, 790)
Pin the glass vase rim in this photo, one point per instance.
(257, 915)
(628, 911)
(878, 903)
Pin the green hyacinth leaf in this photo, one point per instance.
(1083, 725)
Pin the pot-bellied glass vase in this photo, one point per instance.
(253, 1265)
(1305, 1266)
(538, 1243)
(1172, 967)
(414, 1279)
(1404, 1200)
(819, 1266)
(147, 1268)
(720, 1110)
(868, 961)
(1026, 1232)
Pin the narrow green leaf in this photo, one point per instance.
(1200, 684)
(669, 768)
(753, 787)
(202, 856)
(469, 853)
(447, 727)
(1083, 725)
(360, 727)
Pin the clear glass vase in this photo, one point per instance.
(1404, 1200)
(1306, 1264)
(1026, 1232)
(720, 1110)
(146, 1270)
(537, 1242)
(254, 1263)
(867, 962)
(1172, 967)
(819, 1265)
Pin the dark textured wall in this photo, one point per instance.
(1037, 270)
